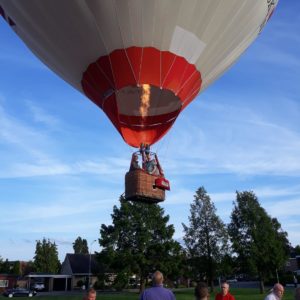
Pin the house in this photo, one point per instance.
(83, 269)
(12, 274)
(49, 282)
(7, 281)
(293, 265)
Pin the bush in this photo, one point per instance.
(121, 281)
(80, 283)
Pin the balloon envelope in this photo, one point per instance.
(141, 61)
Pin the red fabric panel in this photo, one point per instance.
(111, 109)
(135, 56)
(190, 97)
(150, 68)
(189, 86)
(186, 75)
(167, 60)
(173, 78)
(122, 70)
(134, 137)
(105, 65)
(91, 92)
(95, 83)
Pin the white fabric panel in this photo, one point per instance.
(227, 62)
(68, 35)
(135, 20)
(225, 36)
(123, 19)
(231, 41)
(166, 12)
(52, 31)
(193, 47)
(148, 18)
(105, 18)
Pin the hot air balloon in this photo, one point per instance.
(141, 61)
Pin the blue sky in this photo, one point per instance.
(62, 164)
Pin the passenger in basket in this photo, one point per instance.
(134, 162)
(149, 162)
(151, 165)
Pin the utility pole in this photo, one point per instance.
(90, 264)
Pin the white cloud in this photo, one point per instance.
(64, 186)
(41, 116)
(58, 205)
(31, 152)
(241, 141)
(286, 208)
(18, 135)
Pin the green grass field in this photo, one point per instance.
(240, 294)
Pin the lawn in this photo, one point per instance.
(187, 294)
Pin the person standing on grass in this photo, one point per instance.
(277, 292)
(90, 295)
(157, 292)
(224, 294)
(201, 291)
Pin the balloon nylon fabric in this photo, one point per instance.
(110, 49)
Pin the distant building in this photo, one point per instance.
(12, 274)
(293, 265)
(82, 268)
(7, 281)
(49, 282)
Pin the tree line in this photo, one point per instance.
(140, 241)
(45, 259)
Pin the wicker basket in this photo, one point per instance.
(140, 186)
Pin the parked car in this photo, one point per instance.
(38, 286)
(19, 292)
(231, 280)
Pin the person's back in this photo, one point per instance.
(157, 292)
(201, 291)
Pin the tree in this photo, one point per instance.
(28, 268)
(46, 257)
(258, 240)
(10, 267)
(139, 241)
(1, 265)
(16, 268)
(5, 267)
(297, 250)
(205, 237)
(80, 246)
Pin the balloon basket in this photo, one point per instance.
(140, 187)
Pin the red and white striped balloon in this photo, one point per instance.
(141, 61)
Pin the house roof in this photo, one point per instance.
(80, 263)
